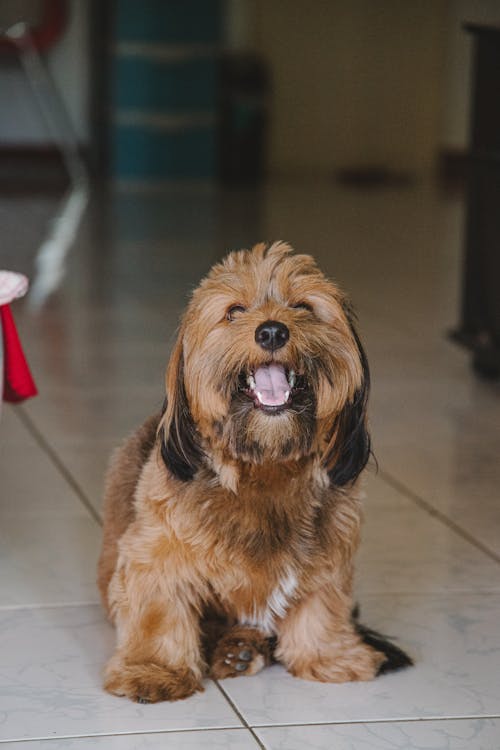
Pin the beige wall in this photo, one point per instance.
(355, 81)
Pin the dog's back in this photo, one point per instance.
(121, 481)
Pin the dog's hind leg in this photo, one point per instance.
(240, 651)
(121, 480)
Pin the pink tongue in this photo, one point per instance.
(272, 384)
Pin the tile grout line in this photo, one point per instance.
(52, 455)
(435, 513)
(139, 733)
(407, 720)
(370, 593)
(247, 727)
(47, 605)
(239, 715)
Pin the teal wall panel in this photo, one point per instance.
(178, 21)
(165, 86)
(141, 153)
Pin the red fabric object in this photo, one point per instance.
(53, 18)
(18, 383)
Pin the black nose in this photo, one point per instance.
(272, 335)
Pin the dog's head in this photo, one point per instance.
(267, 368)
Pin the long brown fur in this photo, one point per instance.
(227, 526)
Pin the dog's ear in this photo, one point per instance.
(349, 446)
(180, 448)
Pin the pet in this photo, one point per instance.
(232, 518)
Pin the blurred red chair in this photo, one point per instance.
(28, 28)
(44, 20)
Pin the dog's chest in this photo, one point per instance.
(266, 541)
(256, 597)
(265, 525)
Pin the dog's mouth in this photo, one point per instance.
(271, 387)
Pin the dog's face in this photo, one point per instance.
(267, 368)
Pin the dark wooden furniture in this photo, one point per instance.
(479, 328)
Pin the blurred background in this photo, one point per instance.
(247, 89)
(228, 99)
(141, 141)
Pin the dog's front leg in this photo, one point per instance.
(158, 656)
(317, 641)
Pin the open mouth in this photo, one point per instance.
(271, 387)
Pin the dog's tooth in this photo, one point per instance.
(287, 395)
(259, 395)
(291, 378)
(251, 382)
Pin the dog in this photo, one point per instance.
(232, 518)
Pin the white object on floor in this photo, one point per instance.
(12, 286)
(52, 252)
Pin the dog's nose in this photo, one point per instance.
(272, 335)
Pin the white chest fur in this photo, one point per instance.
(276, 606)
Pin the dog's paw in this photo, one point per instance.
(150, 683)
(241, 651)
(359, 664)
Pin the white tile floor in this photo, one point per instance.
(429, 567)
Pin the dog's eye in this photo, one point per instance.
(234, 310)
(302, 306)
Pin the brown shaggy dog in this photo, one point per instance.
(231, 520)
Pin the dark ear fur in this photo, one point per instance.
(352, 445)
(180, 448)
